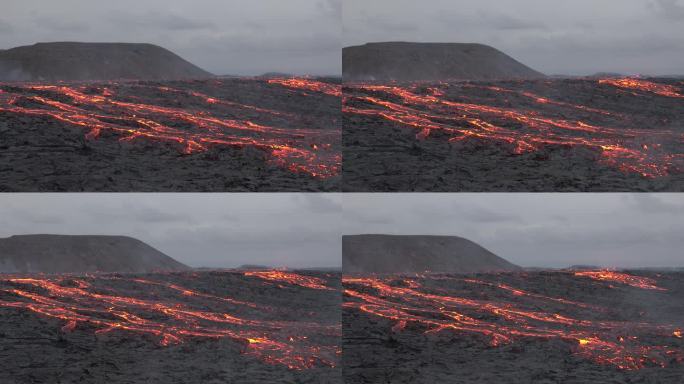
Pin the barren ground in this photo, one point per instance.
(210, 135)
(195, 327)
(534, 327)
(536, 135)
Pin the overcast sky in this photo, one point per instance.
(543, 230)
(201, 230)
(244, 37)
(577, 37)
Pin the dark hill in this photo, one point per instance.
(78, 254)
(430, 61)
(411, 254)
(94, 61)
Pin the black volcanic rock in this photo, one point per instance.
(410, 254)
(78, 254)
(405, 61)
(94, 61)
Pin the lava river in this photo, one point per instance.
(194, 116)
(605, 116)
(496, 309)
(172, 309)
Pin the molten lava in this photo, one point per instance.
(310, 85)
(623, 278)
(172, 314)
(291, 278)
(466, 111)
(183, 115)
(644, 86)
(504, 314)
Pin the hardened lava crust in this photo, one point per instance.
(590, 326)
(261, 326)
(579, 134)
(222, 134)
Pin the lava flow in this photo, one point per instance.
(167, 308)
(310, 85)
(623, 278)
(645, 86)
(504, 313)
(290, 278)
(524, 121)
(179, 112)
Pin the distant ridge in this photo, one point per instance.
(94, 61)
(415, 254)
(80, 254)
(405, 61)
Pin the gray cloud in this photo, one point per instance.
(212, 230)
(671, 9)
(319, 203)
(332, 8)
(547, 230)
(242, 37)
(60, 25)
(556, 37)
(155, 20)
(5, 27)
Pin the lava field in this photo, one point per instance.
(224, 134)
(528, 327)
(528, 135)
(191, 327)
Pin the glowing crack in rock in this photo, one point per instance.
(290, 278)
(623, 278)
(172, 314)
(505, 314)
(310, 85)
(484, 113)
(202, 122)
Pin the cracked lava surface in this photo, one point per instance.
(271, 320)
(587, 325)
(293, 123)
(624, 132)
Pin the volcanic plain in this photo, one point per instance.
(186, 327)
(221, 134)
(574, 134)
(589, 326)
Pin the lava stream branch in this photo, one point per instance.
(101, 303)
(428, 304)
(650, 152)
(214, 122)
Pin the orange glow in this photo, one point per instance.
(645, 86)
(117, 304)
(623, 278)
(194, 128)
(310, 85)
(429, 110)
(504, 315)
(290, 278)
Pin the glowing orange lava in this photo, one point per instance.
(527, 129)
(623, 278)
(290, 278)
(207, 122)
(505, 315)
(645, 86)
(310, 85)
(111, 303)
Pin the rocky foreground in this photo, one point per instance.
(232, 134)
(190, 327)
(529, 135)
(532, 327)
